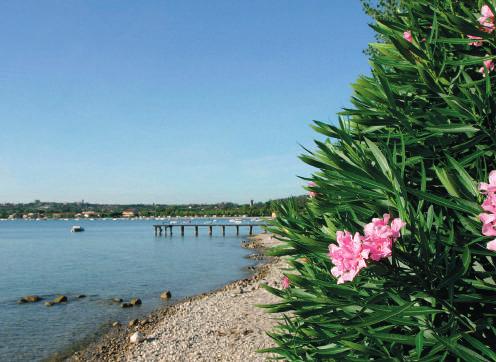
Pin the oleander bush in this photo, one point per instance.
(419, 283)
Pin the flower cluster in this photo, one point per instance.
(352, 251)
(379, 236)
(487, 19)
(488, 218)
(487, 22)
(489, 65)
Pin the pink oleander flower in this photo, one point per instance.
(312, 193)
(491, 245)
(348, 256)
(407, 35)
(486, 12)
(476, 43)
(488, 224)
(491, 186)
(487, 19)
(378, 227)
(489, 203)
(396, 225)
(489, 65)
(379, 236)
(285, 283)
(489, 219)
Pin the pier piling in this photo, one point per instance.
(162, 228)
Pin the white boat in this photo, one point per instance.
(77, 229)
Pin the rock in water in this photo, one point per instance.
(80, 296)
(135, 301)
(165, 295)
(136, 337)
(60, 299)
(29, 299)
(126, 305)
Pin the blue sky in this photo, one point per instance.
(169, 101)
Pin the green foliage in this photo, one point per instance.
(420, 135)
(379, 9)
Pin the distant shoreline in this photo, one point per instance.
(138, 218)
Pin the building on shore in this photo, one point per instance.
(129, 213)
(88, 214)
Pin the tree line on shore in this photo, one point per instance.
(59, 210)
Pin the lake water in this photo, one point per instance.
(110, 259)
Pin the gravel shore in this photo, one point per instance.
(224, 325)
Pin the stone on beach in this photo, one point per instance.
(165, 295)
(133, 323)
(136, 337)
(29, 299)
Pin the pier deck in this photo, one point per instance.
(162, 228)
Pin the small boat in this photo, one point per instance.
(77, 229)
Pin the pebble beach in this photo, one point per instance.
(223, 325)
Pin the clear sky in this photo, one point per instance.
(169, 101)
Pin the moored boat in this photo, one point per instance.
(77, 229)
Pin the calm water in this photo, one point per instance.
(110, 259)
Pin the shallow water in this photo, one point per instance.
(110, 259)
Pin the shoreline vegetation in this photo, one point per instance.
(39, 210)
(222, 324)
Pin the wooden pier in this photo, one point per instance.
(161, 229)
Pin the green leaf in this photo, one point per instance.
(419, 343)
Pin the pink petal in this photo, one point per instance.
(491, 245)
(492, 178)
(487, 12)
(475, 43)
(488, 230)
(397, 224)
(407, 35)
(487, 218)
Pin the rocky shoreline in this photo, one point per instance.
(220, 325)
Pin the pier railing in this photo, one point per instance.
(161, 229)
